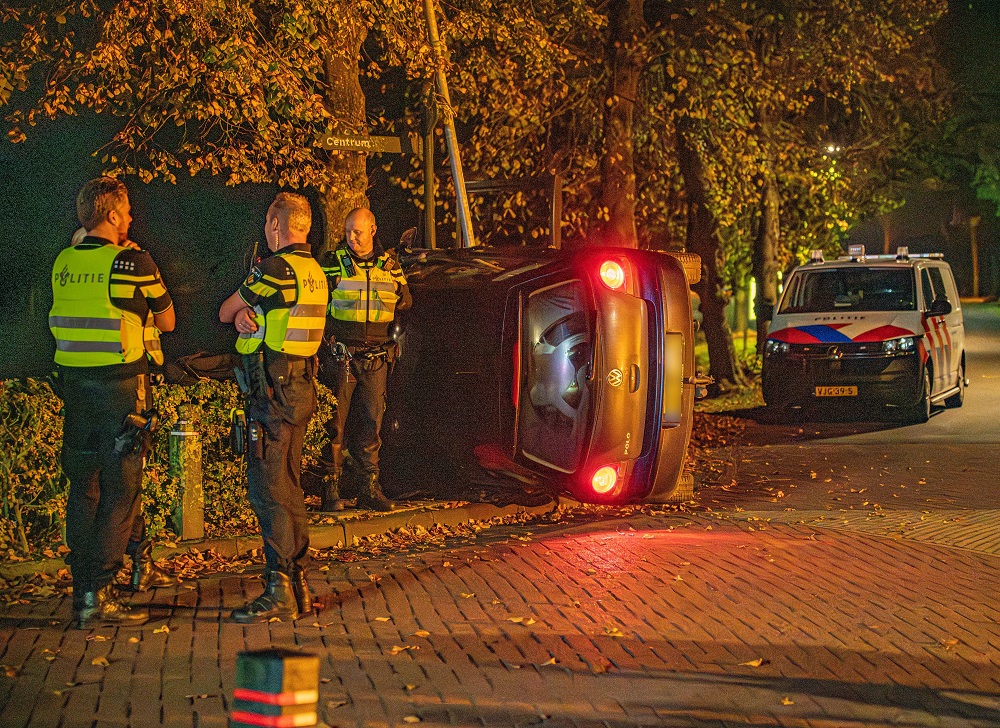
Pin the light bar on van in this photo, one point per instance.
(856, 252)
(612, 275)
(815, 256)
(902, 253)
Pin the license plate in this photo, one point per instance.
(836, 391)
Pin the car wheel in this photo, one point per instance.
(921, 411)
(958, 399)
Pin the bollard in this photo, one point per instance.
(275, 688)
(185, 466)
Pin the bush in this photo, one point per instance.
(33, 488)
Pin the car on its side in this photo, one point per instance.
(885, 331)
(572, 369)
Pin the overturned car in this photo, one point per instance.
(570, 370)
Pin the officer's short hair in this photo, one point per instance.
(293, 210)
(97, 198)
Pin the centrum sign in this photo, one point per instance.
(390, 144)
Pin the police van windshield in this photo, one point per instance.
(557, 349)
(850, 289)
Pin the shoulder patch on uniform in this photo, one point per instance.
(255, 275)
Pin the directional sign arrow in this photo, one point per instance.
(390, 144)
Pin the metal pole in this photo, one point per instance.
(451, 137)
(973, 224)
(556, 217)
(185, 466)
(430, 181)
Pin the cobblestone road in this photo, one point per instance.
(793, 594)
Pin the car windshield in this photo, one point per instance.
(850, 289)
(557, 349)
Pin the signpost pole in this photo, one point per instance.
(467, 239)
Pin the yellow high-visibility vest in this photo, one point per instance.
(297, 330)
(364, 293)
(151, 341)
(90, 331)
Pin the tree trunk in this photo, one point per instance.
(765, 259)
(345, 99)
(702, 239)
(617, 194)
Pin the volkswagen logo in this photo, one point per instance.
(615, 377)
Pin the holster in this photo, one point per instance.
(132, 436)
(238, 432)
(251, 376)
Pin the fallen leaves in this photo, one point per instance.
(162, 630)
(397, 649)
(756, 663)
(612, 631)
(100, 662)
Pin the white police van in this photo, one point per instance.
(881, 331)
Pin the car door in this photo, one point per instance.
(954, 322)
(939, 338)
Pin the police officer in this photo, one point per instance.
(367, 288)
(279, 314)
(145, 574)
(102, 293)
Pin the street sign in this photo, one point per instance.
(390, 144)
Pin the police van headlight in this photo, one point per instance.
(773, 347)
(902, 345)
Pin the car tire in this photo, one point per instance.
(958, 399)
(921, 411)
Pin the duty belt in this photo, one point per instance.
(370, 354)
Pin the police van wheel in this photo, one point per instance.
(958, 399)
(921, 411)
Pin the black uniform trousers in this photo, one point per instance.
(359, 384)
(274, 482)
(104, 486)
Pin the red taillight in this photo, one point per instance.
(612, 275)
(604, 479)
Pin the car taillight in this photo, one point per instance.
(612, 275)
(604, 479)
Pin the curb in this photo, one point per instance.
(347, 527)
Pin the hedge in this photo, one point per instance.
(33, 487)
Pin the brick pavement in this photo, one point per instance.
(740, 613)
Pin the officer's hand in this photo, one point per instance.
(244, 321)
(131, 244)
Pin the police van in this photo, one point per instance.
(883, 331)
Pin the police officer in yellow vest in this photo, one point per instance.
(367, 288)
(102, 293)
(279, 314)
(145, 574)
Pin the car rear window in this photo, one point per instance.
(850, 289)
(557, 350)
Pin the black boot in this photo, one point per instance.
(278, 600)
(331, 492)
(300, 587)
(371, 496)
(93, 608)
(145, 574)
